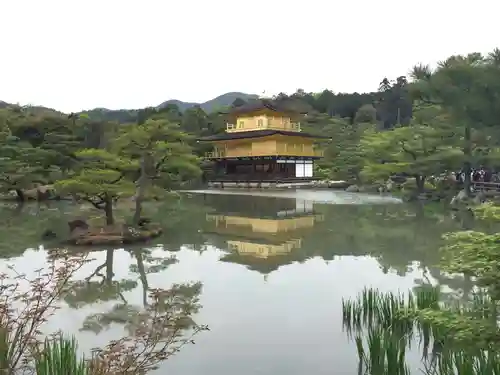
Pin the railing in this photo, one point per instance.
(248, 153)
(293, 126)
(480, 185)
(215, 154)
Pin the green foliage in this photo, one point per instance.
(466, 86)
(343, 156)
(21, 163)
(96, 160)
(454, 339)
(60, 357)
(165, 146)
(426, 147)
(382, 327)
(99, 173)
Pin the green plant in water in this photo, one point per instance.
(60, 357)
(385, 353)
(384, 325)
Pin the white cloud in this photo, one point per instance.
(80, 54)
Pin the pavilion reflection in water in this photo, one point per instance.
(262, 233)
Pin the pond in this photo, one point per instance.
(271, 271)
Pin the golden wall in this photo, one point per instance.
(265, 225)
(277, 145)
(261, 120)
(264, 250)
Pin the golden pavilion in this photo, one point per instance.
(263, 142)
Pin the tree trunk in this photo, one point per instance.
(420, 181)
(109, 266)
(108, 209)
(143, 277)
(468, 157)
(20, 196)
(141, 191)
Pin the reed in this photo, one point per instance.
(384, 326)
(383, 329)
(60, 357)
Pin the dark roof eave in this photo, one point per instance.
(258, 134)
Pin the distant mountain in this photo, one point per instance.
(35, 109)
(223, 100)
(127, 115)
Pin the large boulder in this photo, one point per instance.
(353, 189)
(461, 197)
(78, 228)
(479, 198)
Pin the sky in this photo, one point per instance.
(80, 54)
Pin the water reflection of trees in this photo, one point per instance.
(182, 222)
(101, 286)
(21, 225)
(398, 236)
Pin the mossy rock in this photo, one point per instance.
(115, 236)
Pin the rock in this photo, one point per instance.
(40, 193)
(77, 224)
(337, 184)
(143, 221)
(320, 184)
(479, 198)
(352, 189)
(461, 197)
(48, 235)
(398, 179)
(115, 236)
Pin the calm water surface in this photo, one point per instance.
(273, 269)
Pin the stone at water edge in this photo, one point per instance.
(459, 198)
(352, 189)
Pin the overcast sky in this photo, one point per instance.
(80, 54)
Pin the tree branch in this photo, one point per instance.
(409, 152)
(161, 161)
(96, 272)
(98, 205)
(117, 180)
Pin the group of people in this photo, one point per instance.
(477, 175)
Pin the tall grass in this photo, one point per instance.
(384, 326)
(381, 328)
(60, 357)
(56, 357)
